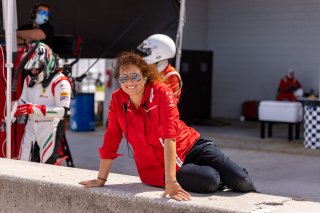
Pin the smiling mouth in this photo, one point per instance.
(132, 87)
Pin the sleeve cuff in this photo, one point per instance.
(108, 155)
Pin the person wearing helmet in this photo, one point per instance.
(289, 87)
(45, 99)
(40, 28)
(159, 48)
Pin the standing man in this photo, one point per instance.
(159, 48)
(45, 99)
(40, 28)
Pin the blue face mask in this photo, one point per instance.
(41, 19)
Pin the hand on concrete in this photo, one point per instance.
(92, 183)
(175, 191)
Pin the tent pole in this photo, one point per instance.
(182, 19)
(9, 65)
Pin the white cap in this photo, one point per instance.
(291, 70)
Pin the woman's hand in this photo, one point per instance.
(92, 183)
(175, 191)
(104, 168)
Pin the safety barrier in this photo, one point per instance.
(33, 187)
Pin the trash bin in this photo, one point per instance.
(82, 112)
(312, 124)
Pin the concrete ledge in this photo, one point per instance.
(33, 187)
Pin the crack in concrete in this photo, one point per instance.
(268, 206)
(271, 203)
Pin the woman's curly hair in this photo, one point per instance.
(148, 71)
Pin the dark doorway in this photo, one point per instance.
(196, 72)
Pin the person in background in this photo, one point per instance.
(98, 81)
(40, 27)
(167, 152)
(99, 86)
(45, 99)
(89, 83)
(159, 48)
(289, 87)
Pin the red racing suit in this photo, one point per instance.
(173, 79)
(287, 86)
(145, 128)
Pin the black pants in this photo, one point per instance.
(206, 168)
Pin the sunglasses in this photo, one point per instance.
(42, 12)
(135, 77)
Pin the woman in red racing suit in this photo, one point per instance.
(167, 152)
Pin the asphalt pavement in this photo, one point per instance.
(277, 166)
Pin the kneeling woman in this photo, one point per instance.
(167, 152)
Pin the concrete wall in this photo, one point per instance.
(34, 187)
(255, 42)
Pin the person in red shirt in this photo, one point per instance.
(167, 152)
(289, 87)
(159, 48)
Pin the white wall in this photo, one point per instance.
(255, 42)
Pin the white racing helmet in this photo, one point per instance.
(43, 59)
(158, 47)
